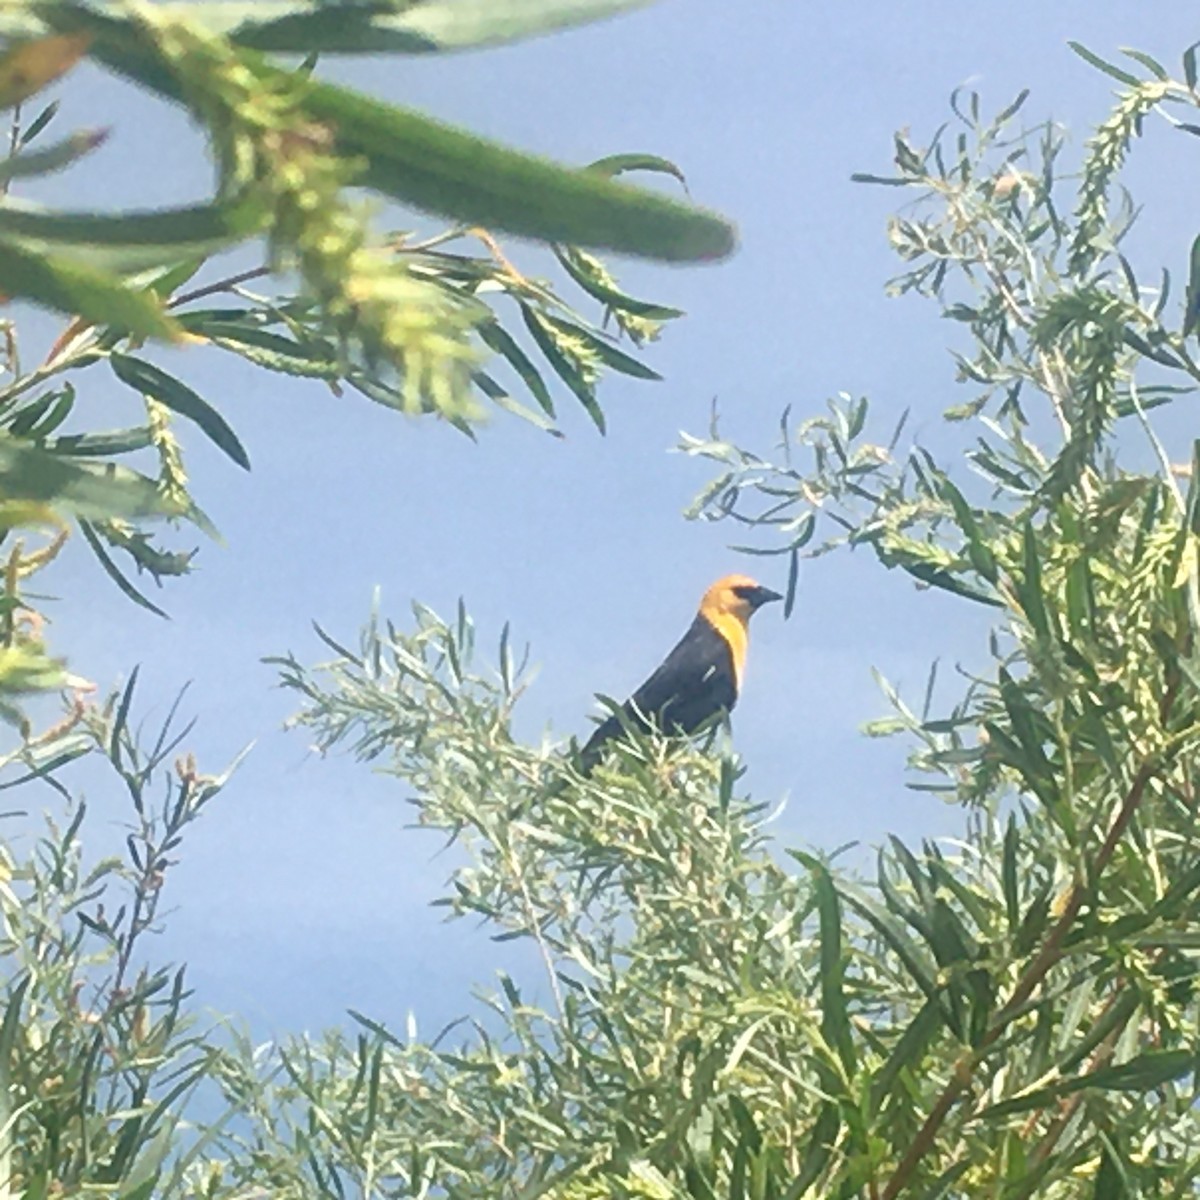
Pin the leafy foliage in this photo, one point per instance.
(420, 323)
(99, 1054)
(1012, 1014)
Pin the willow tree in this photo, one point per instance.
(1011, 1014)
(100, 1058)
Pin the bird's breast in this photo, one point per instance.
(733, 633)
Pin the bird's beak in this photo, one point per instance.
(761, 596)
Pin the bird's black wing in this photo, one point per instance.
(695, 681)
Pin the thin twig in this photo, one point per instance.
(221, 285)
(14, 144)
(535, 927)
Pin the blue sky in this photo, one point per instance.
(302, 893)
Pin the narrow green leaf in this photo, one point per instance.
(497, 338)
(945, 1181)
(978, 551)
(114, 573)
(446, 170)
(1111, 1180)
(908, 1051)
(882, 180)
(100, 445)
(818, 1148)
(499, 395)
(619, 164)
(936, 577)
(154, 382)
(1029, 728)
(1191, 307)
(1191, 518)
(1006, 114)
(121, 719)
(1142, 1073)
(123, 243)
(898, 939)
(39, 123)
(611, 355)
(793, 580)
(1152, 65)
(835, 1017)
(1107, 67)
(611, 296)
(564, 368)
(1029, 587)
(1008, 872)
(52, 158)
(71, 287)
(265, 348)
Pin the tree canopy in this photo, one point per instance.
(1010, 1014)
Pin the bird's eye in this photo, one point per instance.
(745, 591)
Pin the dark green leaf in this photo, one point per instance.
(609, 354)
(502, 342)
(100, 445)
(937, 577)
(114, 573)
(610, 295)
(835, 1018)
(1152, 65)
(154, 382)
(564, 368)
(39, 122)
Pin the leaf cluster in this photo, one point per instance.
(439, 322)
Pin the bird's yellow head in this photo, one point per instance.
(737, 597)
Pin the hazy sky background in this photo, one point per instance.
(302, 893)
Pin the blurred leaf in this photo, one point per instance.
(298, 26)
(446, 170)
(30, 473)
(1143, 1073)
(39, 123)
(26, 67)
(52, 158)
(74, 288)
(122, 243)
(612, 296)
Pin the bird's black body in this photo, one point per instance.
(700, 677)
(695, 682)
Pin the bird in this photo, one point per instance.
(701, 677)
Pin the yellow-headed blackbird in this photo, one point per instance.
(701, 676)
